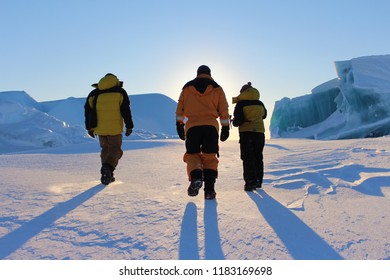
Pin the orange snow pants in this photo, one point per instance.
(201, 148)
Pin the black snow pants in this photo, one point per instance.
(251, 148)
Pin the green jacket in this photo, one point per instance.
(249, 112)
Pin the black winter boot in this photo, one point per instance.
(250, 186)
(107, 174)
(209, 177)
(196, 182)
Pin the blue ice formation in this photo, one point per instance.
(354, 105)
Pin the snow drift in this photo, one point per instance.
(28, 124)
(354, 105)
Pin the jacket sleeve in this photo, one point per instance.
(125, 110)
(265, 111)
(88, 111)
(180, 108)
(239, 116)
(223, 109)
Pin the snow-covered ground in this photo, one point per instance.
(320, 200)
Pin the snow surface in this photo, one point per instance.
(355, 105)
(320, 200)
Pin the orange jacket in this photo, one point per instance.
(201, 102)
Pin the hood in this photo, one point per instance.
(108, 81)
(249, 94)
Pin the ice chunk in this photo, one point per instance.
(355, 105)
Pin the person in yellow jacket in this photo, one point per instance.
(201, 102)
(249, 114)
(107, 109)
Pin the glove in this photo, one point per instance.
(128, 131)
(180, 130)
(91, 133)
(224, 133)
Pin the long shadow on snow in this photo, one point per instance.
(213, 249)
(300, 240)
(15, 239)
(188, 247)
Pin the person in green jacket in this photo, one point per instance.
(249, 114)
(107, 109)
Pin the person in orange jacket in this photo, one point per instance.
(201, 102)
(107, 109)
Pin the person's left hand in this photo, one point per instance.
(224, 133)
(128, 132)
(180, 130)
(91, 133)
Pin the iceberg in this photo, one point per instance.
(356, 104)
(26, 124)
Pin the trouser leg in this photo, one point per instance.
(111, 149)
(201, 148)
(248, 157)
(194, 162)
(260, 163)
(209, 178)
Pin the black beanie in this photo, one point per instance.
(246, 86)
(203, 69)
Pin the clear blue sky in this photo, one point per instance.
(54, 49)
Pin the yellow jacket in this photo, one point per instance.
(201, 102)
(249, 111)
(111, 106)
